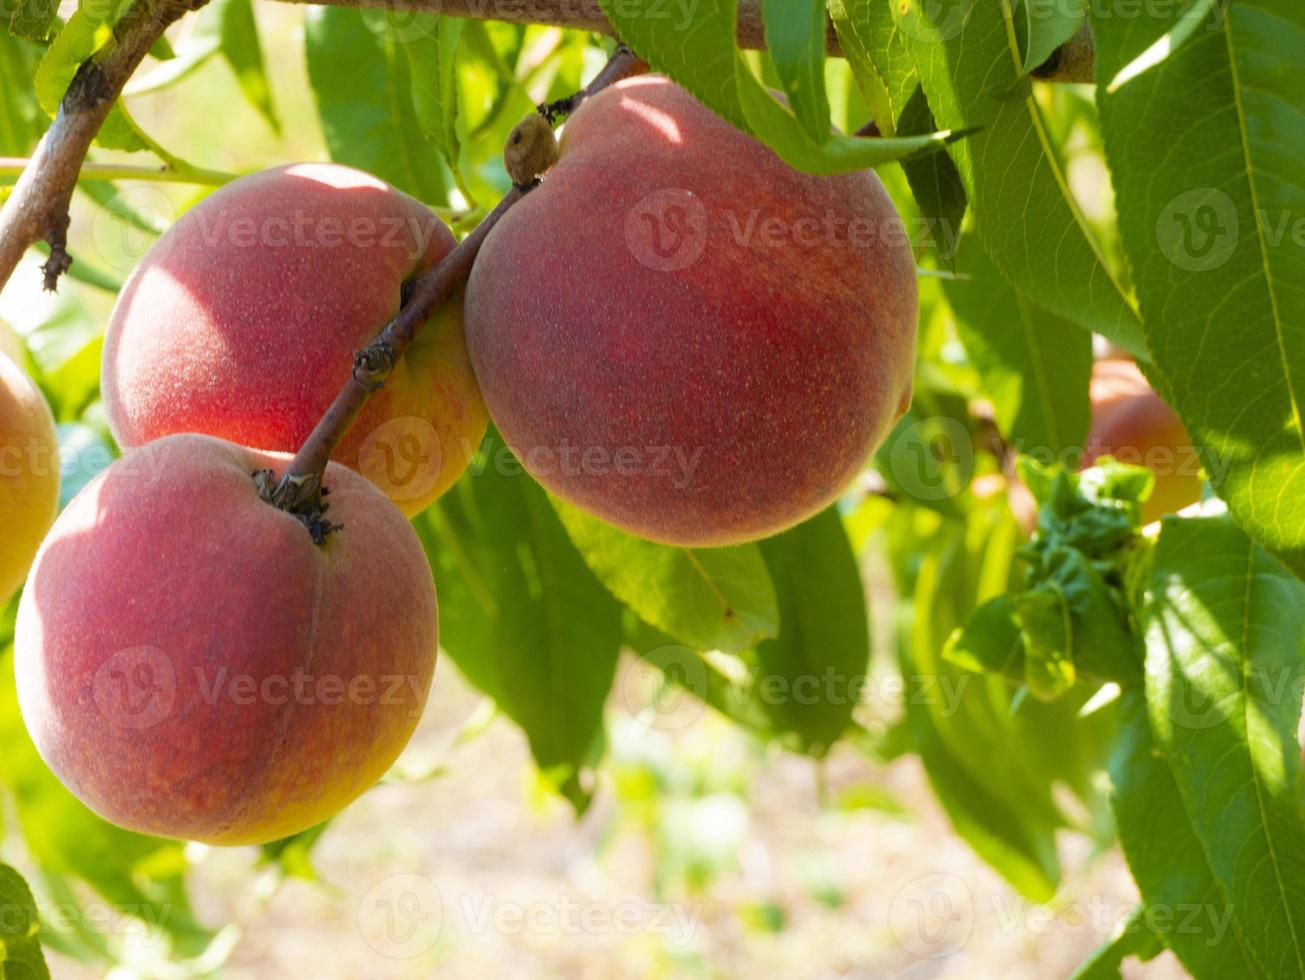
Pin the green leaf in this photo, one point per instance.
(1023, 855)
(848, 17)
(1134, 938)
(225, 27)
(889, 53)
(967, 55)
(1047, 622)
(244, 53)
(1159, 39)
(294, 854)
(1090, 593)
(522, 616)
(1171, 868)
(108, 196)
(708, 598)
(85, 33)
(1225, 626)
(431, 59)
(200, 44)
(1046, 25)
(696, 46)
(822, 653)
(795, 38)
(1035, 366)
(935, 183)
(363, 87)
(21, 120)
(991, 640)
(20, 948)
(1210, 217)
(733, 695)
(1010, 819)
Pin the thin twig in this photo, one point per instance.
(299, 490)
(14, 166)
(622, 64)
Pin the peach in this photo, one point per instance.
(686, 337)
(190, 664)
(29, 474)
(242, 321)
(1132, 423)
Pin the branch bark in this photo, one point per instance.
(587, 15)
(299, 489)
(584, 15)
(38, 207)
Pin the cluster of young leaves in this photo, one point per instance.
(1071, 618)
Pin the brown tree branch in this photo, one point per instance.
(299, 489)
(38, 207)
(584, 15)
(587, 15)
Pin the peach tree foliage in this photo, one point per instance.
(1166, 665)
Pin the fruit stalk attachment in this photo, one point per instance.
(622, 64)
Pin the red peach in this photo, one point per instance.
(242, 321)
(1132, 423)
(190, 664)
(681, 334)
